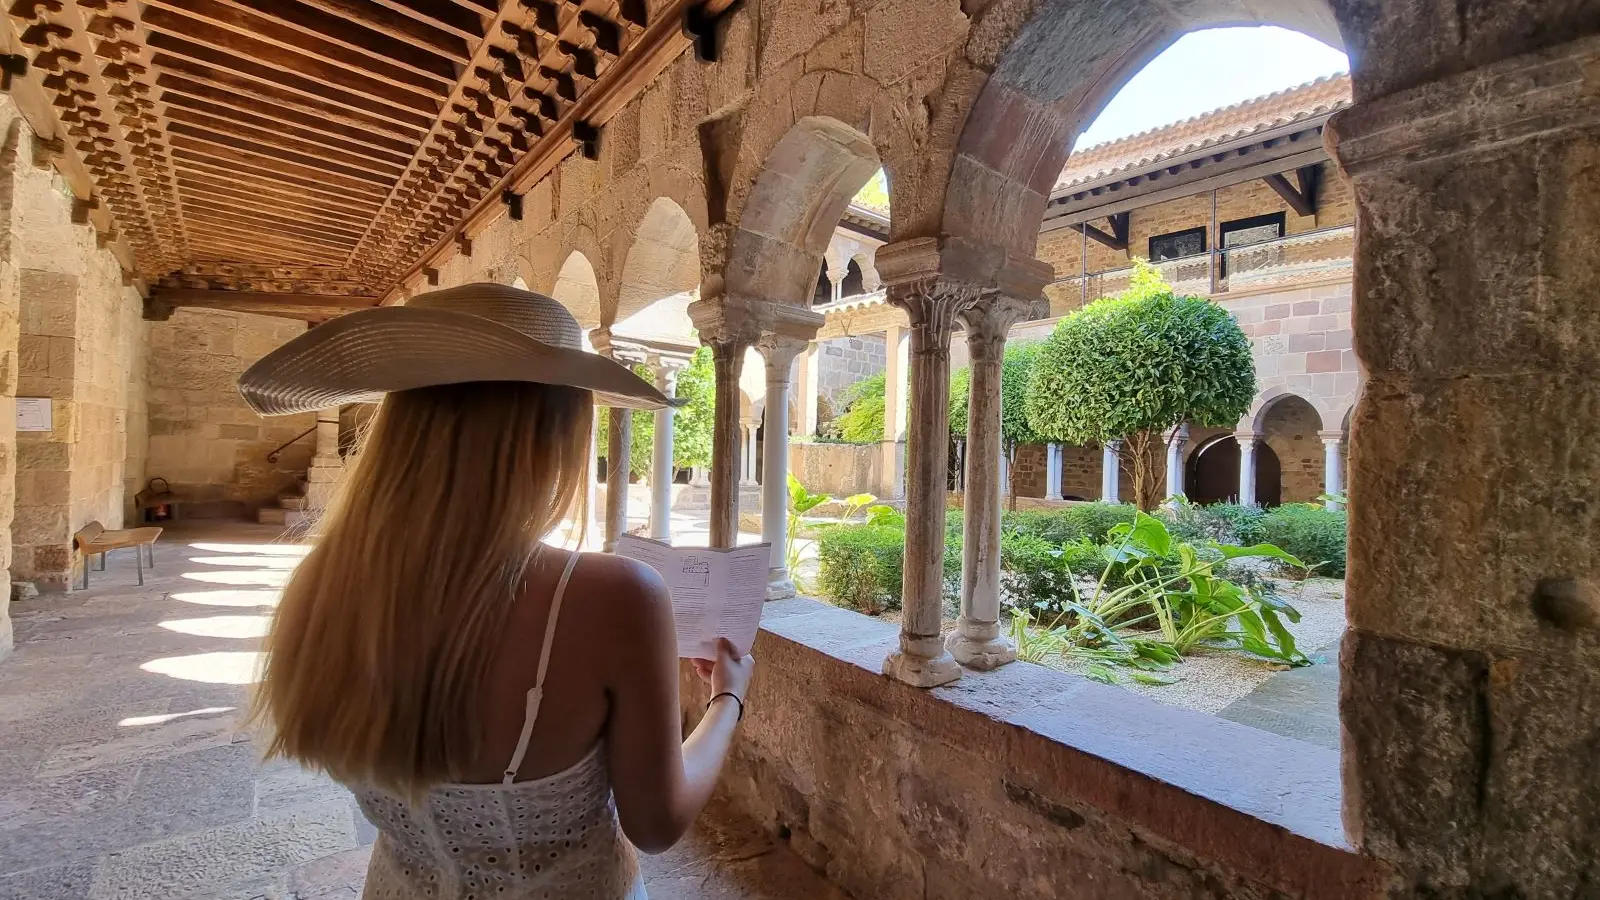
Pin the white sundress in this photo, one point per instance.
(556, 837)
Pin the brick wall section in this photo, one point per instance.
(79, 340)
(1028, 471)
(203, 439)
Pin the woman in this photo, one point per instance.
(505, 743)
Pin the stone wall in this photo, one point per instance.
(203, 439)
(1290, 428)
(12, 136)
(1023, 782)
(79, 344)
(838, 469)
(842, 362)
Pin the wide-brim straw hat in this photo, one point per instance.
(476, 332)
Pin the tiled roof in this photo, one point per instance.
(1143, 150)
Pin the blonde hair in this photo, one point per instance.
(383, 638)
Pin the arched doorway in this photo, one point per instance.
(1213, 473)
(1289, 427)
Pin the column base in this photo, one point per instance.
(779, 587)
(1052, 496)
(980, 653)
(920, 672)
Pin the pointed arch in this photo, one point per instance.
(577, 288)
(663, 259)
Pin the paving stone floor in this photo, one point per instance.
(1299, 703)
(124, 774)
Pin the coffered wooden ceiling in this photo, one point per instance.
(326, 148)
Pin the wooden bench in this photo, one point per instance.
(93, 539)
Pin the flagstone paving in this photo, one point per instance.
(125, 773)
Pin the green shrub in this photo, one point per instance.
(862, 567)
(1036, 575)
(1311, 533)
(1083, 521)
(863, 404)
(1225, 523)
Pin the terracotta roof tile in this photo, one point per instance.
(1141, 150)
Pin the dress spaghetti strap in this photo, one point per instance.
(537, 692)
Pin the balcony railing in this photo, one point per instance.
(1287, 261)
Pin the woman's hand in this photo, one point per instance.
(728, 674)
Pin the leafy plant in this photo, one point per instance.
(691, 423)
(863, 403)
(1172, 599)
(1227, 523)
(1016, 368)
(1312, 533)
(801, 501)
(1133, 366)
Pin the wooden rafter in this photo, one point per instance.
(309, 307)
(322, 146)
(1117, 239)
(1302, 195)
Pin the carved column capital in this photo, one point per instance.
(987, 324)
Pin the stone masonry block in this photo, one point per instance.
(1487, 485)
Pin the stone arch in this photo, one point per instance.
(1053, 77)
(578, 288)
(663, 259)
(800, 194)
(1290, 426)
(1271, 396)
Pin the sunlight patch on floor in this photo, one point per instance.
(221, 667)
(228, 598)
(163, 718)
(268, 577)
(268, 549)
(221, 626)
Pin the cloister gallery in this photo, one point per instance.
(188, 183)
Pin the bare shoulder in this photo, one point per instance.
(618, 585)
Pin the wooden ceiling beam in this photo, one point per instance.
(409, 91)
(352, 35)
(402, 27)
(192, 184)
(189, 163)
(226, 249)
(206, 83)
(241, 20)
(245, 211)
(241, 137)
(441, 14)
(294, 174)
(178, 92)
(310, 307)
(303, 250)
(417, 116)
(222, 118)
(262, 231)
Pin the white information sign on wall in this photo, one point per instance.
(33, 414)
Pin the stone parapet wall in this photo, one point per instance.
(838, 469)
(1024, 782)
(203, 439)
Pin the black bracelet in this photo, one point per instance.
(736, 698)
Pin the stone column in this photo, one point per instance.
(1332, 466)
(922, 659)
(617, 471)
(1470, 709)
(961, 466)
(976, 642)
(699, 476)
(897, 349)
(1052, 472)
(727, 357)
(661, 467)
(749, 472)
(593, 528)
(779, 354)
(1110, 472)
(809, 372)
(1177, 439)
(322, 476)
(1247, 468)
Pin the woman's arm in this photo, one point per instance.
(661, 781)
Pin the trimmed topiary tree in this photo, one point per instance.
(1133, 366)
(1016, 370)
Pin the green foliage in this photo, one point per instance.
(862, 419)
(1146, 360)
(1310, 532)
(1226, 523)
(874, 195)
(1172, 600)
(1081, 521)
(1016, 369)
(862, 567)
(691, 423)
(801, 501)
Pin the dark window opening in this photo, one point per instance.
(824, 292)
(1178, 244)
(1253, 230)
(853, 283)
